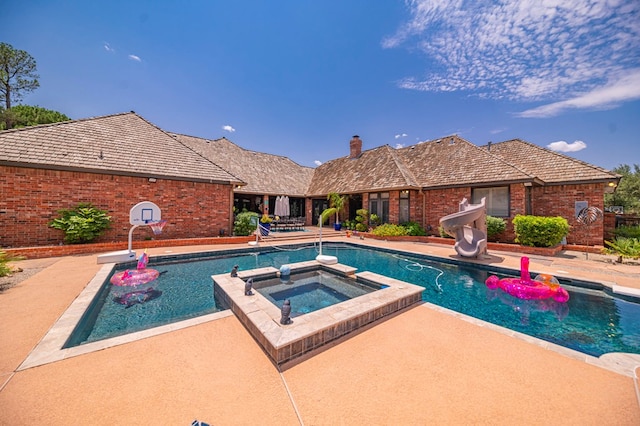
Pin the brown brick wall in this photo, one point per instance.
(609, 226)
(559, 200)
(441, 202)
(30, 198)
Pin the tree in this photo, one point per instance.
(26, 115)
(336, 202)
(627, 193)
(17, 74)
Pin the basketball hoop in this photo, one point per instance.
(156, 227)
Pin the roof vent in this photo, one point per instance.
(489, 146)
(452, 141)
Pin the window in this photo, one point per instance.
(379, 205)
(404, 207)
(497, 200)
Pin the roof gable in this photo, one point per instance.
(264, 173)
(547, 165)
(375, 169)
(453, 161)
(124, 144)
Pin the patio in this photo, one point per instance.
(422, 365)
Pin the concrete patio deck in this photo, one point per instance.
(424, 365)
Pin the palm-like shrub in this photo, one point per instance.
(624, 247)
(4, 259)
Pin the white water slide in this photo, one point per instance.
(468, 226)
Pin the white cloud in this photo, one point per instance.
(317, 162)
(135, 58)
(562, 146)
(523, 50)
(399, 145)
(403, 135)
(496, 131)
(228, 128)
(626, 88)
(108, 48)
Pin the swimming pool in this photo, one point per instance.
(310, 291)
(592, 321)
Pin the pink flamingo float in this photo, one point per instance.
(543, 287)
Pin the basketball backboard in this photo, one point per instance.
(144, 213)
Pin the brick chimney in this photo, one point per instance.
(355, 147)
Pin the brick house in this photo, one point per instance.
(113, 162)
(426, 181)
(118, 160)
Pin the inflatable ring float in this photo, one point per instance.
(133, 277)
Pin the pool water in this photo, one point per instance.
(592, 321)
(310, 291)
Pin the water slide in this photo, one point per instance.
(468, 226)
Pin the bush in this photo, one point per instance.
(414, 229)
(495, 226)
(82, 224)
(389, 230)
(442, 232)
(242, 225)
(624, 247)
(361, 220)
(4, 259)
(539, 231)
(627, 231)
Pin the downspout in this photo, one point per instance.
(424, 206)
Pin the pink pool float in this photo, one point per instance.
(133, 277)
(543, 287)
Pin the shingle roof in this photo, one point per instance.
(548, 166)
(374, 169)
(453, 161)
(124, 144)
(264, 173)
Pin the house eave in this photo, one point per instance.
(117, 173)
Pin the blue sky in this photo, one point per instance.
(298, 78)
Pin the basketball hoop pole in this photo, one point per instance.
(144, 213)
(131, 237)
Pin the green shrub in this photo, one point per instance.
(375, 220)
(82, 224)
(361, 220)
(389, 230)
(540, 231)
(442, 232)
(4, 259)
(414, 229)
(624, 247)
(242, 226)
(361, 227)
(495, 226)
(627, 231)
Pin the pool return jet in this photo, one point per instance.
(144, 213)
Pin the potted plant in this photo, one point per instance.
(265, 224)
(336, 202)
